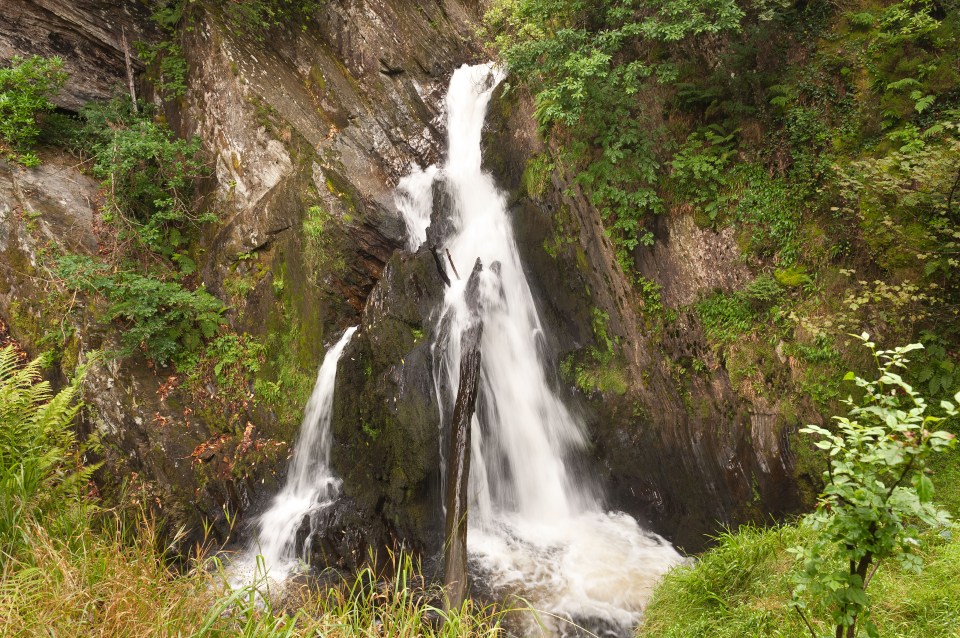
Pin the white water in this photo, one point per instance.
(536, 528)
(414, 197)
(310, 486)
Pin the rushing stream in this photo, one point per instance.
(537, 529)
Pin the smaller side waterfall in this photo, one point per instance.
(310, 486)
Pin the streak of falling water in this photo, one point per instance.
(536, 528)
(309, 488)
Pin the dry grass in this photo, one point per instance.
(97, 584)
(109, 580)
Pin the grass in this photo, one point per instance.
(109, 578)
(741, 589)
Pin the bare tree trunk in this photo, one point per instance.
(458, 458)
(129, 63)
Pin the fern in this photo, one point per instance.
(39, 455)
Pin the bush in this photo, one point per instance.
(161, 318)
(149, 177)
(876, 493)
(26, 87)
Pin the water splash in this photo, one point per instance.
(310, 487)
(414, 199)
(536, 528)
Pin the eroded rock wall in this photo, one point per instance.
(678, 446)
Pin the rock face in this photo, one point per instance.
(308, 131)
(86, 34)
(308, 126)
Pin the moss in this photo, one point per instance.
(343, 190)
(316, 79)
(792, 277)
(536, 176)
(294, 340)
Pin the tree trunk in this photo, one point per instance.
(458, 458)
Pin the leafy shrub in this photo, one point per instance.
(149, 177)
(230, 361)
(161, 318)
(727, 316)
(26, 87)
(772, 216)
(876, 492)
(699, 168)
(586, 64)
(168, 67)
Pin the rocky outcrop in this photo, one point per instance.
(87, 35)
(308, 129)
(386, 425)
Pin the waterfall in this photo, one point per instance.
(536, 528)
(310, 486)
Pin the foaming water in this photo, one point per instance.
(310, 487)
(414, 198)
(536, 529)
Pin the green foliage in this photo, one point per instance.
(906, 200)
(935, 368)
(230, 362)
(771, 214)
(167, 65)
(163, 319)
(39, 455)
(322, 243)
(876, 492)
(725, 317)
(700, 166)
(259, 17)
(26, 88)
(165, 61)
(740, 588)
(149, 177)
(536, 175)
(571, 55)
(597, 369)
(792, 277)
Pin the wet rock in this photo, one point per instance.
(390, 464)
(303, 127)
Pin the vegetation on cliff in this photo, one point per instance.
(825, 135)
(878, 553)
(827, 138)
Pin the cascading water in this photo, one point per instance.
(535, 528)
(310, 486)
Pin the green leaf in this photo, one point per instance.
(924, 487)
